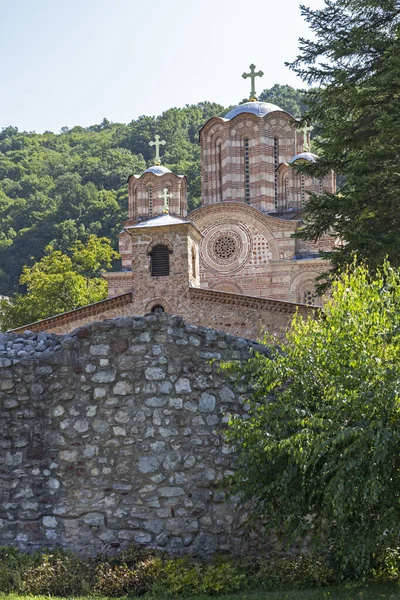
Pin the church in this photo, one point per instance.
(232, 264)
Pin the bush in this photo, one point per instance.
(13, 564)
(302, 571)
(118, 580)
(137, 571)
(319, 448)
(222, 578)
(389, 568)
(58, 575)
(178, 577)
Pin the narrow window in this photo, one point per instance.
(320, 187)
(302, 190)
(134, 206)
(157, 309)
(150, 199)
(246, 143)
(159, 264)
(193, 263)
(219, 174)
(276, 164)
(285, 192)
(309, 297)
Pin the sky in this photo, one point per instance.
(74, 62)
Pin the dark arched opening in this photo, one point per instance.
(157, 309)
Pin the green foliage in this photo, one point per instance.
(137, 571)
(57, 574)
(301, 571)
(60, 188)
(184, 577)
(389, 568)
(180, 577)
(58, 282)
(285, 97)
(320, 451)
(118, 580)
(353, 64)
(222, 577)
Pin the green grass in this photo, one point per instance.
(343, 592)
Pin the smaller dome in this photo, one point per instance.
(256, 108)
(308, 156)
(158, 170)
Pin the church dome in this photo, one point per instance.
(260, 109)
(306, 155)
(158, 170)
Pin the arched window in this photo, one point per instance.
(157, 309)
(246, 155)
(159, 261)
(219, 170)
(134, 206)
(193, 263)
(150, 199)
(276, 164)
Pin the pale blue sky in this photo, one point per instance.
(73, 62)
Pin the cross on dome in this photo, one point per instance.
(306, 130)
(165, 196)
(157, 143)
(252, 76)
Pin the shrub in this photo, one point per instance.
(137, 571)
(389, 568)
(322, 453)
(302, 571)
(178, 577)
(222, 578)
(118, 580)
(57, 575)
(13, 564)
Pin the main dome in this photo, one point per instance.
(260, 109)
(158, 170)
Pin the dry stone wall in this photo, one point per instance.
(112, 435)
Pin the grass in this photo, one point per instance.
(343, 592)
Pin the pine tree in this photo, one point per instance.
(353, 65)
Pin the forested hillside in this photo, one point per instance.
(61, 187)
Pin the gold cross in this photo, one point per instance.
(252, 76)
(306, 131)
(157, 144)
(165, 196)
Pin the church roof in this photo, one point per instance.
(308, 156)
(160, 221)
(260, 109)
(158, 170)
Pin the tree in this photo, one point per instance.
(353, 63)
(286, 97)
(91, 258)
(58, 283)
(320, 449)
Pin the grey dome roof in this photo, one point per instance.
(158, 170)
(256, 108)
(306, 155)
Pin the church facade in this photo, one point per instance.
(234, 259)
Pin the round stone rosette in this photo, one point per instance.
(226, 247)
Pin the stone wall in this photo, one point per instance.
(113, 434)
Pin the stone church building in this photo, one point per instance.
(233, 263)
